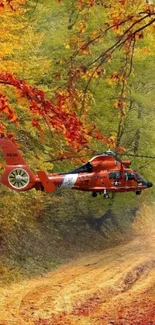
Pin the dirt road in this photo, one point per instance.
(115, 286)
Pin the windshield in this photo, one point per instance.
(138, 177)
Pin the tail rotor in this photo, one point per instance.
(17, 175)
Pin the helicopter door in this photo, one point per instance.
(115, 176)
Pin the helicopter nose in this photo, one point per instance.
(149, 184)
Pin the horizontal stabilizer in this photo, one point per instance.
(46, 182)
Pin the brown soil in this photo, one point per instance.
(116, 286)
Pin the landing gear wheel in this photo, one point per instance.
(138, 192)
(106, 196)
(94, 194)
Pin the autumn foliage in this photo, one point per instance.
(55, 114)
(68, 111)
(11, 4)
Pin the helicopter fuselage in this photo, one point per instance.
(101, 177)
(102, 174)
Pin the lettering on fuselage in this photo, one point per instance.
(95, 177)
(12, 154)
(69, 181)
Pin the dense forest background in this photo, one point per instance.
(60, 52)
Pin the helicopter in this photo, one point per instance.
(102, 174)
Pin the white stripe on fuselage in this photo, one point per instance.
(69, 181)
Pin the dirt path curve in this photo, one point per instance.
(115, 286)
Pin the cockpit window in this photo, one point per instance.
(129, 176)
(138, 177)
(115, 175)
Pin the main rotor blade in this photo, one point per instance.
(71, 157)
(101, 153)
(136, 155)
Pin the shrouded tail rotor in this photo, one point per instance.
(17, 175)
(18, 178)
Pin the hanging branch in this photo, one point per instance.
(128, 36)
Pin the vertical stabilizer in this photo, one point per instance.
(17, 175)
(11, 153)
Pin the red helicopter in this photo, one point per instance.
(102, 174)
